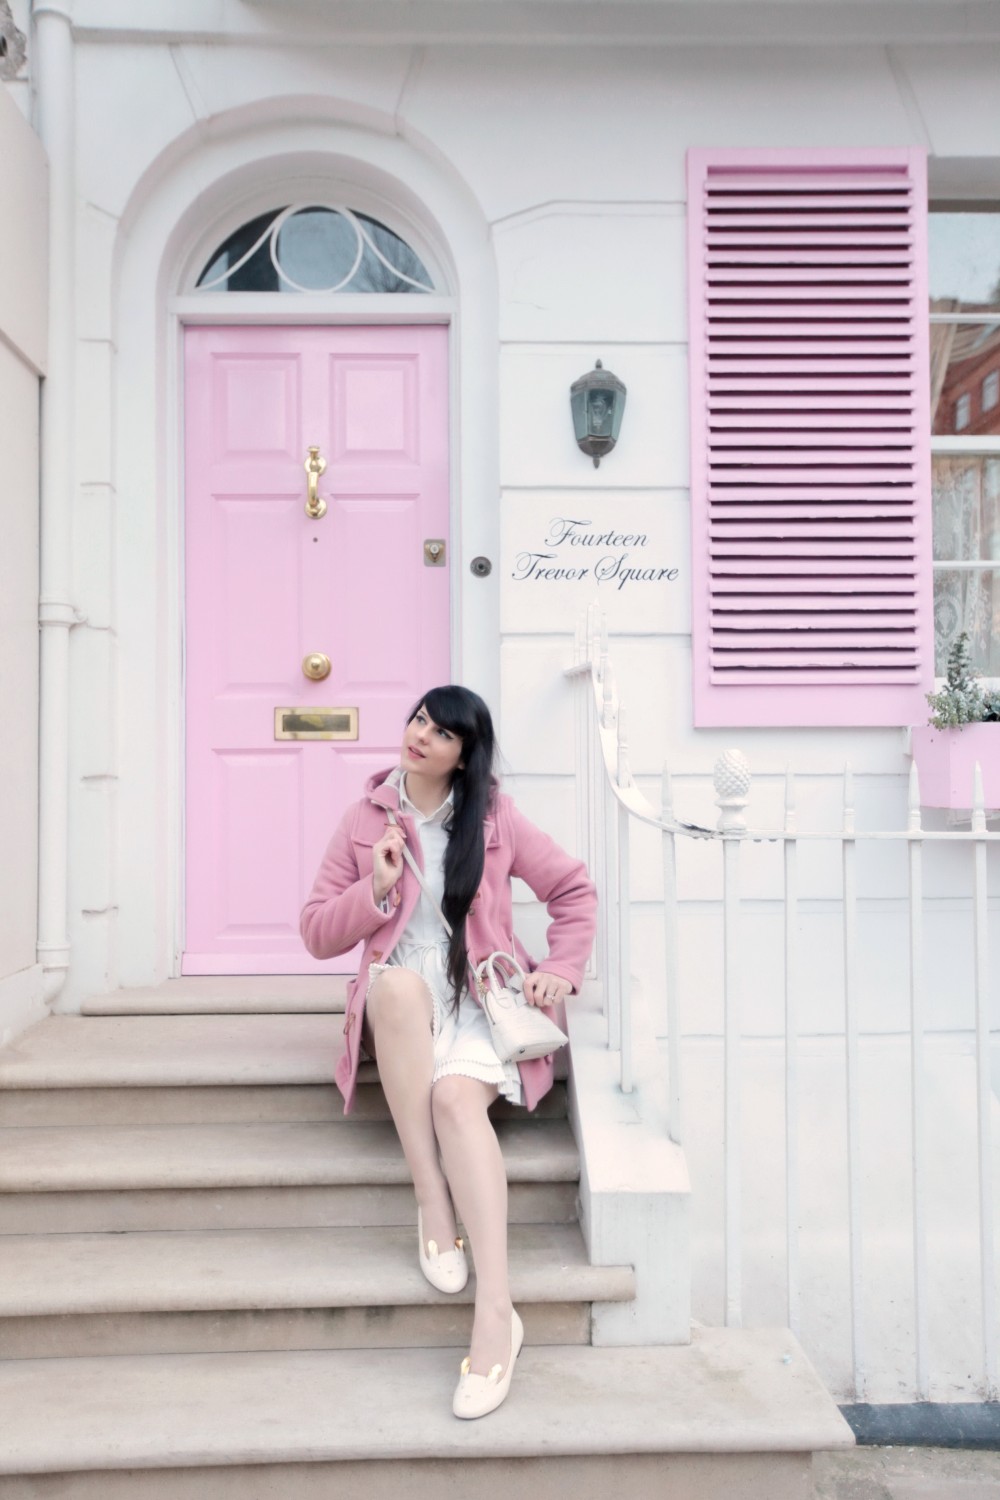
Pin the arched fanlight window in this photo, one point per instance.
(305, 248)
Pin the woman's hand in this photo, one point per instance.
(387, 862)
(545, 989)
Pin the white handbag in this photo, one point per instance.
(519, 1031)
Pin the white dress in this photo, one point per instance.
(462, 1042)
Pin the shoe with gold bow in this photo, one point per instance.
(447, 1270)
(477, 1395)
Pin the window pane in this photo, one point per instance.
(966, 508)
(965, 366)
(967, 529)
(964, 261)
(968, 601)
(406, 266)
(317, 249)
(256, 274)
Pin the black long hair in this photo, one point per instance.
(473, 784)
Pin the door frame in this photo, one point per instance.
(154, 255)
(373, 310)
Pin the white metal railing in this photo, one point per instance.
(608, 802)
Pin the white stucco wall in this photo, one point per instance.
(22, 358)
(571, 160)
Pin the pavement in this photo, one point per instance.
(907, 1474)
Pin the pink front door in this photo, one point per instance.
(268, 587)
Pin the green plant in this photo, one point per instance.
(962, 700)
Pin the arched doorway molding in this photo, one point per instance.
(193, 194)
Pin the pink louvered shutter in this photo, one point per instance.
(810, 461)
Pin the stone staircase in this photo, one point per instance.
(208, 1285)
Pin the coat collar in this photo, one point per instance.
(383, 794)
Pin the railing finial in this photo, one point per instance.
(913, 822)
(666, 795)
(624, 774)
(790, 811)
(978, 800)
(731, 779)
(848, 828)
(608, 707)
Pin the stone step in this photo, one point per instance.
(173, 1051)
(125, 1158)
(186, 1177)
(177, 1051)
(211, 1104)
(75, 1070)
(225, 995)
(733, 1412)
(93, 1273)
(720, 1476)
(246, 1331)
(357, 1205)
(48, 1283)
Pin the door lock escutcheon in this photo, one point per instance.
(434, 552)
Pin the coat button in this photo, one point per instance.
(396, 898)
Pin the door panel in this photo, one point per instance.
(267, 585)
(256, 400)
(375, 408)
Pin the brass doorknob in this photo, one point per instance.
(316, 666)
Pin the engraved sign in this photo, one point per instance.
(627, 555)
(573, 549)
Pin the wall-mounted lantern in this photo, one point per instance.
(597, 401)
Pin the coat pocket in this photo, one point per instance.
(363, 856)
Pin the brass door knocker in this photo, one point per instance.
(314, 466)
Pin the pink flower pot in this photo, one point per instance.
(946, 760)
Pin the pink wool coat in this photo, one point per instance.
(341, 909)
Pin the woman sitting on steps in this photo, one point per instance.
(412, 1007)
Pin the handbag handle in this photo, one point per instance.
(501, 961)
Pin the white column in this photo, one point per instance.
(53, 71)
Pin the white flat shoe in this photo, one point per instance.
(477, 1395)
(448, 1270)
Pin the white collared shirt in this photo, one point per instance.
(424, 925)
